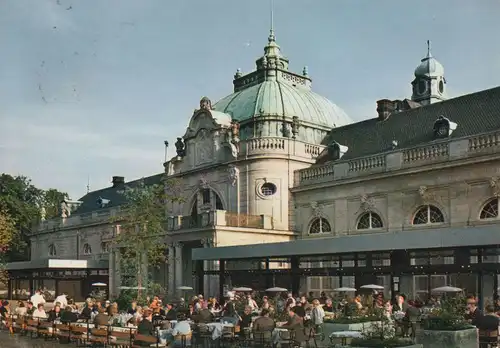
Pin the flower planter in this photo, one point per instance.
(411, 346)
(450, 339)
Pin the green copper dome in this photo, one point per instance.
(272, 90)
(278, 98)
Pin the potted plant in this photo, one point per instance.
(382, 334)
(351, 319)
(446, 326)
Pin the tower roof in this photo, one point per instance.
(273, 90)
(429, 66)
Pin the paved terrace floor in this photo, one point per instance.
(17, 341)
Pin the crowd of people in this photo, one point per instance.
(246, 316)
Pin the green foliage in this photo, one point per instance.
(141, 232)
(23, 202)
(52, 199)
(450, 317)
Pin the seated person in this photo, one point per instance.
(145, 328)
(263, 326)
(68, 316)
(205, 315)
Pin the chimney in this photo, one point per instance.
(118, 181)
(384, 108)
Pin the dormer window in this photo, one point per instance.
(443, 127)
(336, 151)
(102, 202)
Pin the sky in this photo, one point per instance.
(92, 88)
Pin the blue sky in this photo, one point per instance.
(92, 88)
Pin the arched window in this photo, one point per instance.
(52, 250)
(490, 210)
(207, 197)
(320, 225)
(428, 214)
(369, 220)
(87, 249)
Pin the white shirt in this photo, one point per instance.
(37, 299)
(39, 314)
(62, 300)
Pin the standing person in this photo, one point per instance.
(62, 299)
(317, 316)
(37, 298)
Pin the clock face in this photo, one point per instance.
(422, 87)
(441, 86)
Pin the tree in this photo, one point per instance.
(52, 199)
(23, 201)
(7, 231)
(141, 231)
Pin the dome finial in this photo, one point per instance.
(429, 55)
(272, 37)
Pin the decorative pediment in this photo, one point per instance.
(206, 118)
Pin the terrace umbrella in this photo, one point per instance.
(242, 289)
(345, 289)
(372, 287)
(447, 289)
(276, 289)
(100, 284)
(132, 288)
(184, 288)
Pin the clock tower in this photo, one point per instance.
(429, 85)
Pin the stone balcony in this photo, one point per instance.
(212, 219)
(437, 152)
(95, 217)
(279, 145)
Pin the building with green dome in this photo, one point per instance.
(279, 187)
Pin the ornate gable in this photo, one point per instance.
(206, 118)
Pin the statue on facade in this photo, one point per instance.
(316, 209)
(295, 126)
(43, 214)
(64, 210)
(235, 130)
(180, 147)
(234, 174)
(205, 104)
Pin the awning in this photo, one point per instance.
(58, 263)
(409, 239)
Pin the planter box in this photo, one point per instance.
(328, 328)
(450, 339)
(412, 346)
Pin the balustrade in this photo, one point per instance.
(411, 157)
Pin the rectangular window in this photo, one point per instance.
(206, 196)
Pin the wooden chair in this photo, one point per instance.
(20, 324)
(9, 324)
(262, 339)
(121, 338)
(185, 340)
(32, 326)
(99, 336)
(63, 332)
(488, 339)
(151, 340)
(45, 329)
(80, 334)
